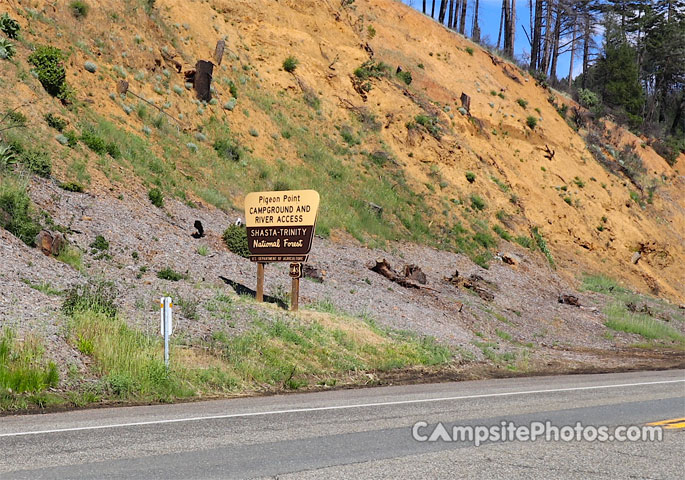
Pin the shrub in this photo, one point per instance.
(156, 197)
(170, 274)
(290, 64)
(98, 297)
(17, 216)
(100, 244)
(56, 122)
(72, 138)
(502, 233)
(469, 50)
(253, 131)
(532, 122)
(405, 76)
(79, 9)
(232, 89)
(588, 99)
(47, 61)
(72, 187)
(522, 102)
(470, 177)
(235, 238)
(90, 67)
(525, 242)
(228, 149)
(93, 141)
(542, 245)
(9, 26)
(371, 69)
(477, 202)
(230, 105)
(37, 161)
(6, 49)
(430, 123)
(7, 157)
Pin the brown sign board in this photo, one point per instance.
(280, 225)
(296, 270)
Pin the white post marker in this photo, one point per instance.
(166, 325)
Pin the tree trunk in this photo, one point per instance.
(586, 47)
(537, 34)
(203, 80)
(475, 30)
(573, 52)
(424, 7)
(457, 4)
(443, 10)
(433, 10)
(462, 20)
(501, 23)
(450, 13)
(549, 36)
(512, 28)
(507, 22)
(555, 48)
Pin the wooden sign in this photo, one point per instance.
(280, 225)
(296, 270)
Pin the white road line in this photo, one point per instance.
(337, 407)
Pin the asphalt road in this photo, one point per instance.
(361, 433)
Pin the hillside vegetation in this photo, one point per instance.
(359, 100)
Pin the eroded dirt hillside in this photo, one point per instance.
(583, 210)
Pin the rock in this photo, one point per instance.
(569, 300)
(414, 272)
(313, 272)
(636, 257)
(509, 258)
(50, 243)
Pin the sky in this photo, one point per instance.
(488, 19)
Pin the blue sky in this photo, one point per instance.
(488, 19)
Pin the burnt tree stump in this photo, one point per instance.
(466, 102)
(203, 80)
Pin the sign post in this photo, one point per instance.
(166, 325)
(280, 228)
(296, 274)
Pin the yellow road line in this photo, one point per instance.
(671, 423)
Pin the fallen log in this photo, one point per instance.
(474, 283)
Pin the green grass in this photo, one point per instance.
(170, 274)
(621, 319)
(542, 245)
(17, 214)
(25, 374)
(71, 255)
(276, 354)
(601, 284)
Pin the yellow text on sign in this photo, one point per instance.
(289, 208)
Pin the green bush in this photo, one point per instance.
(94, 142)
(588, 99)
(522, 102)
(532, 122)
(469, 50)
(47, 61)
(430, 123)
(371, 69)
(235, 238)
(156, 197)
(6, 49)
(37, 161)
(228, 149)
(100, 244)
(17, 215)
(405, 76)
(56, 122)
(470, 177)
(170, 274)
(477, 202)
(98, 297)
(71, 187)
(79, 9)
(290, 64)
(9, 26)
(542, 245)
